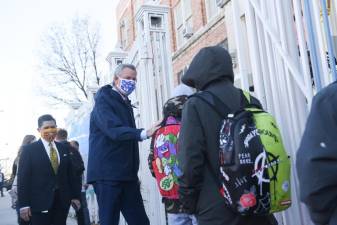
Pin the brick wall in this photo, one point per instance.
(206, 33)
(214, 36)
(126, 12)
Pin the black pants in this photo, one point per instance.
(57, 215)
(82, 214)
(117, 196)
(22, 222)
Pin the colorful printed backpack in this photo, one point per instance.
(254, 166)
(165, 163)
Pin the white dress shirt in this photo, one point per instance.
(47, 148)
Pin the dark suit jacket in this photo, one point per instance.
(77, 163)
(37, 181)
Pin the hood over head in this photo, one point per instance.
(210, 64)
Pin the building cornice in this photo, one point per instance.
(152, 9)
(115, 54)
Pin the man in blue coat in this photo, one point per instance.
(113, 151)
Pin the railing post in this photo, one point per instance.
(329, 40)
(254, 54)
(319, 32)
(239, 42)
(312, 45)
(303, 50)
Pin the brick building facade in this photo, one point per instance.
(193, 24)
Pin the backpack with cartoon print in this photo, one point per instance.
(165, 165)
(254, 167)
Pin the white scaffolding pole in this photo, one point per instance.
(303, 50)
(240, 48)
(300, 99)
(315, 6)
(335, 4)
(254, 55)
(277, 45)
(284, 76)
(265, 69)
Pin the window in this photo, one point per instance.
(156, 22)
(211, 9)
(118, 61)
(188, 14)
(183, 21)
(124, 32)
(179, 23)
(187, 7)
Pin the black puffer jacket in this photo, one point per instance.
(210, 70)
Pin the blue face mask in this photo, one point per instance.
(127, 86)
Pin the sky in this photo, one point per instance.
(22, 24)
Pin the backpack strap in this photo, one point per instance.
(248, 102)
(214, 102)
(247, 96)
(222, 110)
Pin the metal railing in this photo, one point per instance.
(287, 57)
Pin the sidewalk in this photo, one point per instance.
(8, 215)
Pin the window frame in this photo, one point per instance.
(185, 19)
(210, 14)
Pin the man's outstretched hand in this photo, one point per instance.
(153, 129)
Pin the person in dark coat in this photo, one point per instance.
(83, 217)
(2, 181)
(78, 169)
(46, 186)
(316, 159)
(75, 157)
(211, 70)
(113, 151)
(28, 139)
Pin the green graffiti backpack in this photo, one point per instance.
(254, 168)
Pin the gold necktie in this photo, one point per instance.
(53, 158)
